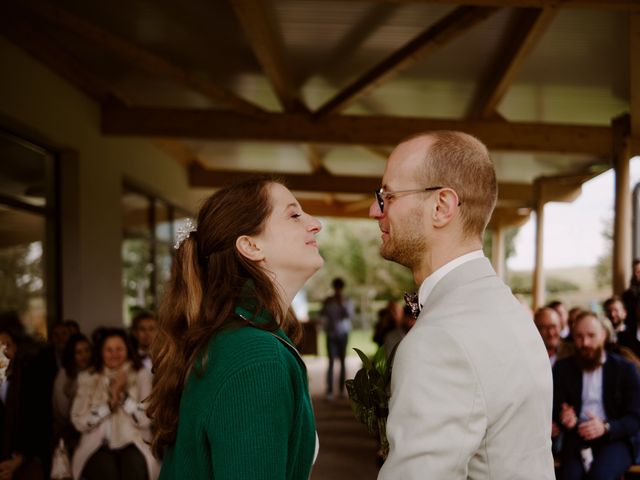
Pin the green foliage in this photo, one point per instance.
(603, 272)
(351, 250)
(369, 394)
(520, 283)
(509, 237)
(21, 276)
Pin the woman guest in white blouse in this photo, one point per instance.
(109, 413)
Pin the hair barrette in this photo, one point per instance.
(187, 228)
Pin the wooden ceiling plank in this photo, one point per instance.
(202, 177)
(23, 34)
(613, 5)
(634, 74)
(268, 49)
(138, 56)
(528, 29)
(450, 27)
(349, 129)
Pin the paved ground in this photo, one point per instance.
(347, 451)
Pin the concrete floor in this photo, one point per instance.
(347, 451)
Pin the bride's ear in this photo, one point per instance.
(248, 248)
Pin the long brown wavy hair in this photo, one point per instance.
(208, 274)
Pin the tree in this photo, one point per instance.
(603, 271)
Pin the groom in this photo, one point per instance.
(471, 388)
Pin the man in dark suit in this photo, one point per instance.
(596, 400)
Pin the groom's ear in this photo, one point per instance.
(249, 248)
(446, 207)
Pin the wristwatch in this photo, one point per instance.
(607, 427)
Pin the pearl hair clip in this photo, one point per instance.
(184, 231)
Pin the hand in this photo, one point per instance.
(555, 430)
(592, 428)
(8, 467)
(117, 388)
(568, 416)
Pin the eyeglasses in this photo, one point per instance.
(381, 195)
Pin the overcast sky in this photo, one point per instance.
(573, 231)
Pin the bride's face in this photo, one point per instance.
(288, 240)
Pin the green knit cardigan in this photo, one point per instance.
(248, 415)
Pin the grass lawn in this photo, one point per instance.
(361, 339)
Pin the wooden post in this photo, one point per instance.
(498, 251)
(538, 290)
(622, 215)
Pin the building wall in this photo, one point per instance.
(33, 99)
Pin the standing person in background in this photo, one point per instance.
(471, 389)
(231, 395)
(144, 328)
(337, 312)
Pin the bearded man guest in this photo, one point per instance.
(596, 401)
(471, 384)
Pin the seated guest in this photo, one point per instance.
(76, 357)
(25, 413)
(630, 338)
(109, 413)
(596, 402)
(558, 306)
(58, 338)
(144, 329)
(72, 326)
(547, 322)
(573, 314)
(402, 325)
(614, 310)
(388, 317)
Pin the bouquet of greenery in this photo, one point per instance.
(369, 394)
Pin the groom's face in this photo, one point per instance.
(403, 221)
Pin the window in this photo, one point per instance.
(29, 222)
(147, 248)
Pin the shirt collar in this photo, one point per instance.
(432, 280)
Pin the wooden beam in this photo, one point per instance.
(634, 74)
(135, 55)
(502, 217)
(615, 5)
(539, 281)
(323, 181)
(317, 182)
(177, 150)
(315, 156)
(378, 151)
(528, 29)
(267, 47)
(622, 204)
(450, 27)
(349, 129)
(27, 36)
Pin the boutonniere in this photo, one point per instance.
(369, 393)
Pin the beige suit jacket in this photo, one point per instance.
(471, 387)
